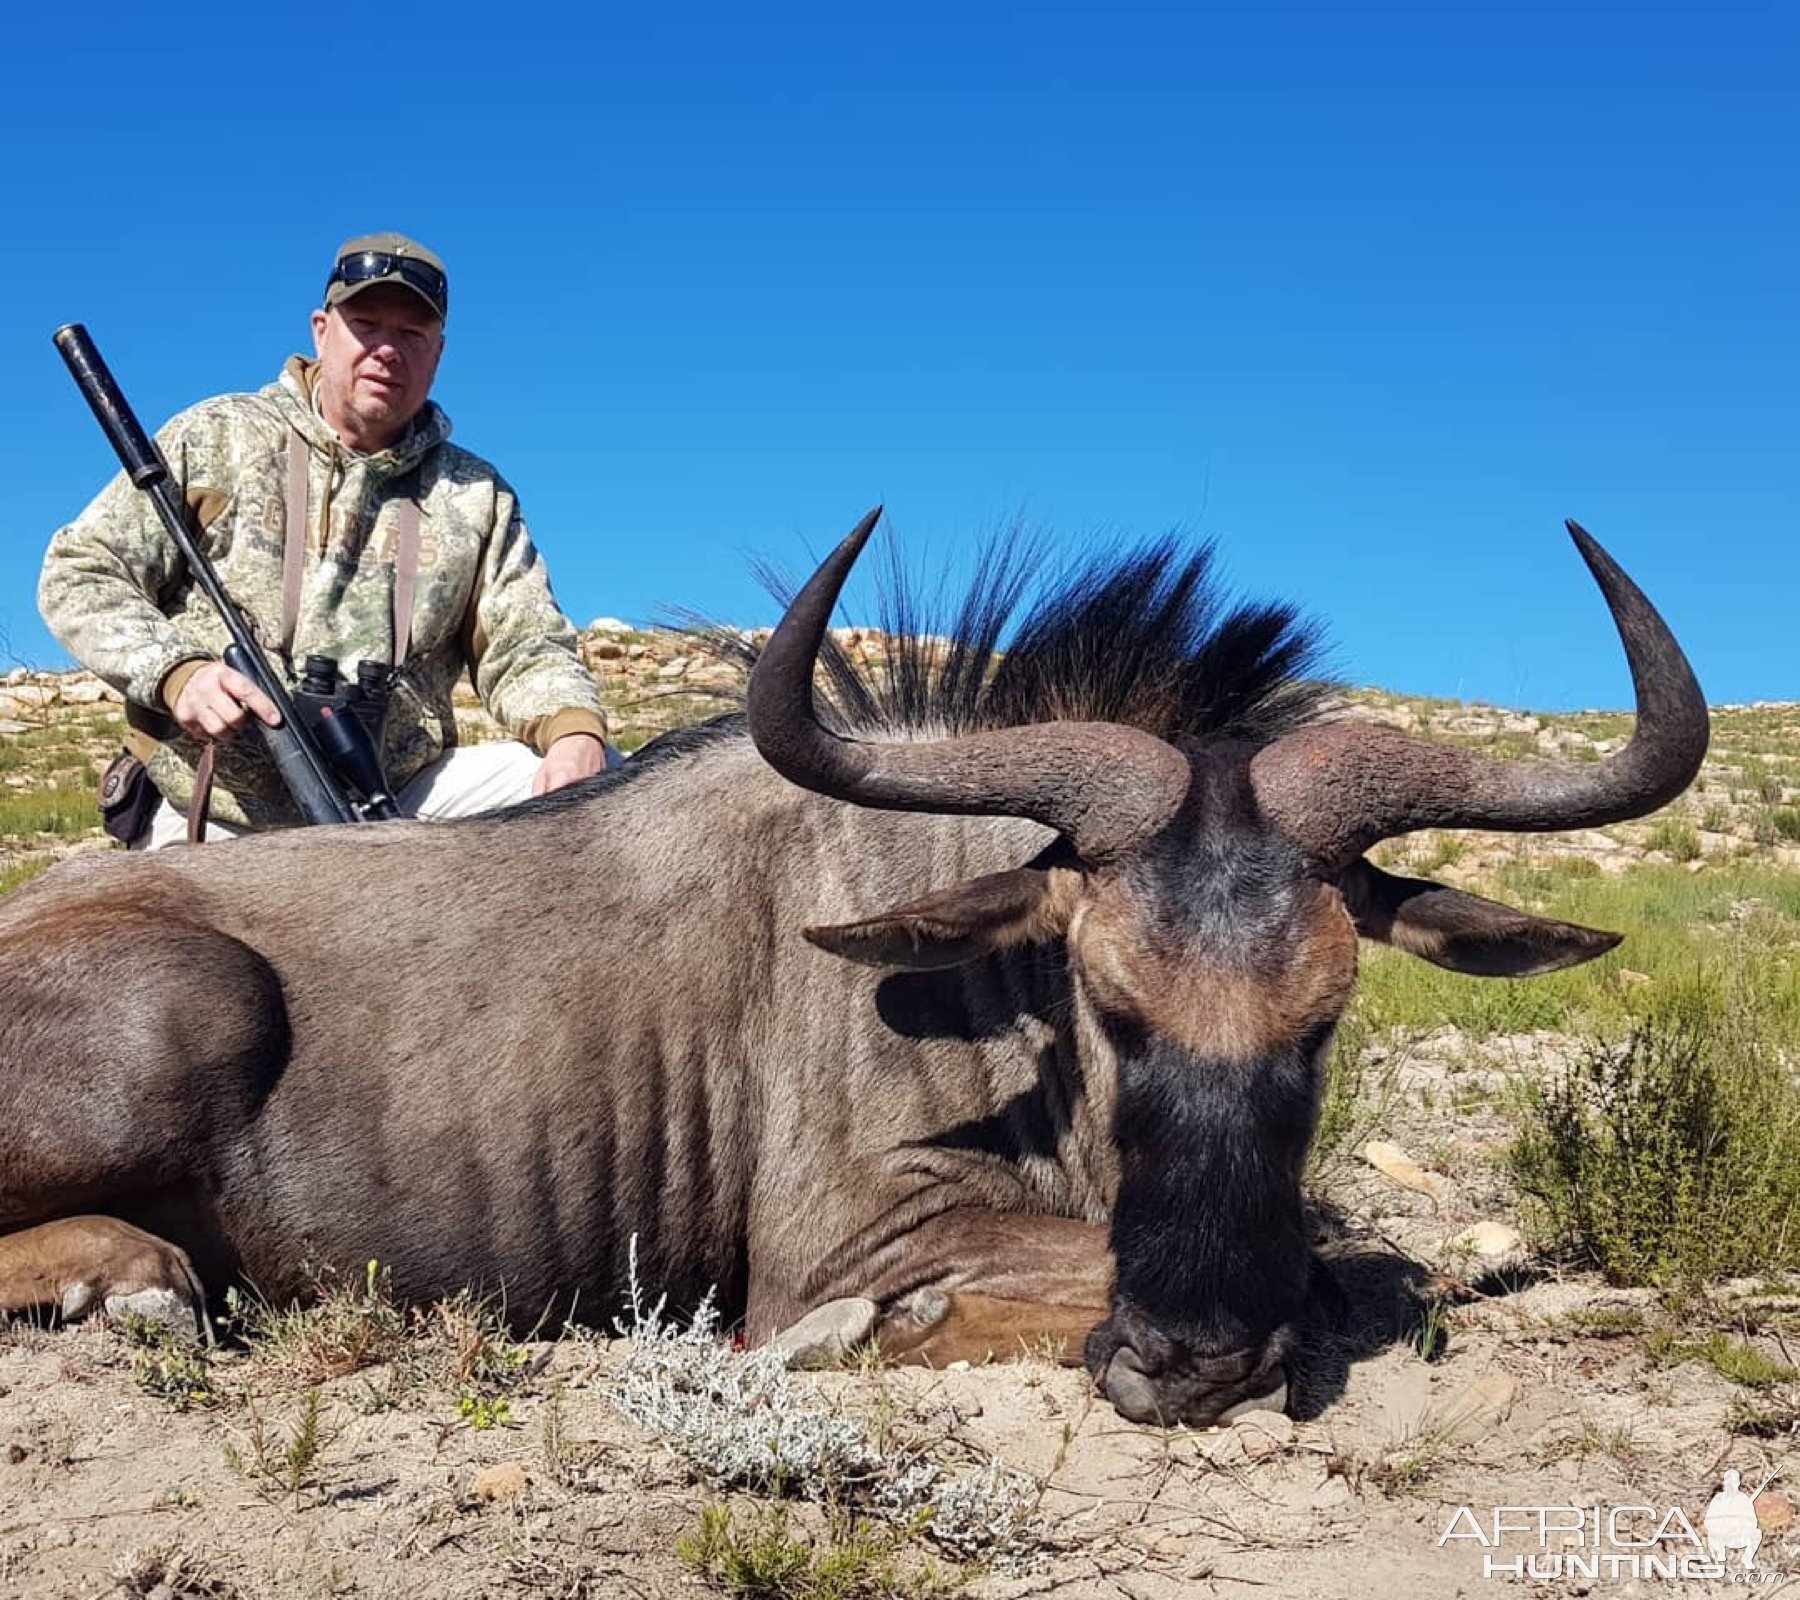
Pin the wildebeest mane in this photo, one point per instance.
(1145, 635)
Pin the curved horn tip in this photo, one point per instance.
(860, 533)
(836, 567)
(1607, 572)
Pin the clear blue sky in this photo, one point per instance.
(1375, 295)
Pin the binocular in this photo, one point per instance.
(346, 717)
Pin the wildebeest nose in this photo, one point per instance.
(1135, 1395)
(1131, 1389)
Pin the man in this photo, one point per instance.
(345, 525)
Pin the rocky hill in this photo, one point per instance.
(58, 730)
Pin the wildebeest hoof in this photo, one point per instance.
(925, 1308)
(161, 1306)
(827, 1333)
(100, 1264)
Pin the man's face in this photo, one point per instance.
(378, 352)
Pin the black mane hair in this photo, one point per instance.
(1144, 635)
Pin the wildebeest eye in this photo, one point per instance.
(1316, 1039)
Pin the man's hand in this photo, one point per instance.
(215, 701)
(570, 758)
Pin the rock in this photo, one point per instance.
(507, 1481)
(610, 625)
(86, 693)
(1628, 979)
(9, 728)
(1264, 1433)
(673, 669)
(607, 650)
(1393, 1162)
(1480, 1406)
(827, 1333)
(1490, 1241)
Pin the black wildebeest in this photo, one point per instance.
(1063, 1084)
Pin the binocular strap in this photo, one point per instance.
(293, 556)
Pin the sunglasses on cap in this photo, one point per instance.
(370, 266)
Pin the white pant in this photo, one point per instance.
(463, 781)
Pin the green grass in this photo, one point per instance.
(1605, 1322)
(168, 1363)
(67, 810)
(14, 873)
(1359, 1084)
(286, 1464)
(757, 1554)
(350, 1324)
(1679, 840)
(1731, 1358)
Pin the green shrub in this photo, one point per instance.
(1672, 1158)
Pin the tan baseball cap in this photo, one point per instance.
(374, 258)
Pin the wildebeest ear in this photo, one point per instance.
(958, 924)
(1463, 931)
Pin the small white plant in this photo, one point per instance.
(744, 1422)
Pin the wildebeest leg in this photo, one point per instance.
(934, 1329)
(131, 1049)
(81, 1265)
(972, 1283)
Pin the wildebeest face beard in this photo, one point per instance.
(1207, 1231)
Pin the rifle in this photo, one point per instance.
(310, 770)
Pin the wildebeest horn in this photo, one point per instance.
(1340, 788)
(1102, 785)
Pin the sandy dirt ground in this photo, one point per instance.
(1535, 1401)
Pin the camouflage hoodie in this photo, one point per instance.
(116, 592)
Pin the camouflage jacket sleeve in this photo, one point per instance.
(523, 652)
(108, 575)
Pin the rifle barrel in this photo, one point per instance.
(297, 757)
